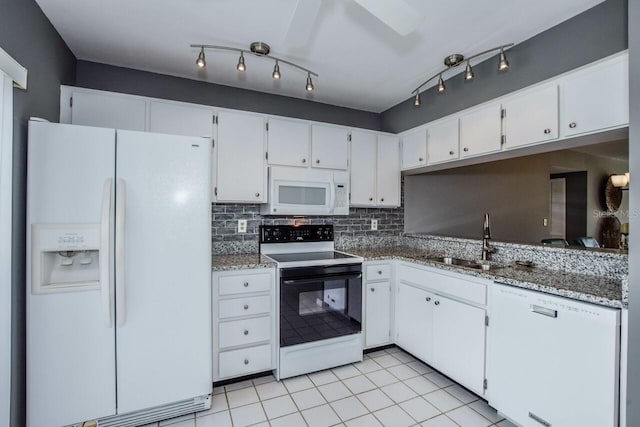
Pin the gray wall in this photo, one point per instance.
(27, 35)
(594, 34)
(117, 79)
(515, 192)
(633, 388)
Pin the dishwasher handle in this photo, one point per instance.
(544, 311)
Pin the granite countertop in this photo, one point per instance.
(599, 290)
(594, 289)
(240, 262)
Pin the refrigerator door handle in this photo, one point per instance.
(121, 198)
(105, 249)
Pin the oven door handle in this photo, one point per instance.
(321, 279)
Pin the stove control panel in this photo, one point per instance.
(295, 233)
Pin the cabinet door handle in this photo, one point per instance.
(382, 199)
(538, 419)
(573, 125)
(547, 131)
(371, 199)
(420, 159)
(379, 271)
(257, 194)
(373, 289)
(451, 153)
(466, 149)
(246, 361)
(246, 332)
(246, 306)
(318, 161)
(246, 284)
(304, 160)
(544, 311)
(437, 302)
(428, 299)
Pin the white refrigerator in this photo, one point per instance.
(118, 275)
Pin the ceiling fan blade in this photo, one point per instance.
(399, 15)
(301, 25)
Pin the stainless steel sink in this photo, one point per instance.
(465, 263)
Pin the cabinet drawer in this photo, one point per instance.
(445, 284)
(245, 331)
(378, 272)
(244, 306)
(245, 283)
(244, 361)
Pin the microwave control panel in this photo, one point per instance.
(296, 233)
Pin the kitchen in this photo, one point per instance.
(85, 76)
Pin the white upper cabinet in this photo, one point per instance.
(481, 131)
(531, 117)
(363, 168)
(240, 172)
(288, 142)
(442, 141)
(329, 149)
(108, 110)
(595, 98)
(388, 171)
(177, 119)
(414, 149)
(375, 169)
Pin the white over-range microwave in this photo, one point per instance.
(307, 191)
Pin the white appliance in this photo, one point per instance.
(552, 361)
(118, 276)
(302, 191)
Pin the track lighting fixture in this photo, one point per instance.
(441, 86)
(200, 62)
(276, 71)
(453, 60)
(309, 83)
(241, 66)
(258, 49)
(468, 72)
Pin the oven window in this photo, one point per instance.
(295, 195)
(312, 310)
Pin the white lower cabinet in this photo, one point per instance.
(435, 322)
(243, 322)
(377, 298)
(552, 361)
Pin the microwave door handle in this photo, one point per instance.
(316, 279)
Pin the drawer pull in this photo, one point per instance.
(246, 306)
(304, 160)
(451, 153)
(371, 199)
(437, 302)
(466, 149)
(246, 332)
(382, 199)
(246, 284)
(373, 289)
(420, 159)
(547, 131)
(428, 299)
(540, 420)
(544, 311)
(246, 361)
(379, 271)
(573, 125)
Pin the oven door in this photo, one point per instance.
(318, 303)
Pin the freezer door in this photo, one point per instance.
(163, 269)
(70, 343)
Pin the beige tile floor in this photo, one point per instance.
(388, 388)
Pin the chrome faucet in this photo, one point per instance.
(486, 236)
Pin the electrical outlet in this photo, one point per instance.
(242, 226)
(374, 224)
(545, 222)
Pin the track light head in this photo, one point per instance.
(276, 71)
(309, 83)
(468, 72)
(503, 64)
(201, 62)
(441, 86)
(241, 66)
(416, 100)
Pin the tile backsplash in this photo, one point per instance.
(350, 230)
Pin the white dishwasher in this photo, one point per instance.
(552, 361)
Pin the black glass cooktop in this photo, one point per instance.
(309, 256)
